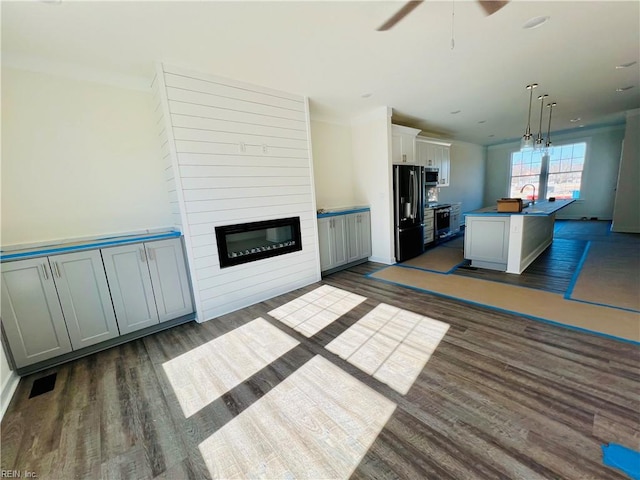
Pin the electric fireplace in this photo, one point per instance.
(248, 242)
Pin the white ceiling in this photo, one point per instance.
(331, 52)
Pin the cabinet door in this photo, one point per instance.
(31, 313)
(444, 165)
(431, 155)
(364, 234)
(340, 235)
(332, 232)
(325, 240)
(422, 154)
(84, 297)
(408, 148)
(169, 278)
(130, 285)
(358, 236)
(396, 148)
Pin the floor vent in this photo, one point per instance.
(43, 385)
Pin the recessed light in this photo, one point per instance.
(366, 95)
(574, 120)
(455, 112)
(535, 22)
(624, 89)
(481, 121)
(625, 65)
(492, 135)
(580, 126)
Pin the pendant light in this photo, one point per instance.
(527, 138)
(539, 143)
(547, 146)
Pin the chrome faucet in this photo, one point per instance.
(533, 199)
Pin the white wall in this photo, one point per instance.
(626, 213)
(78, 159)
(371, 136)
(599, 178)
(468, 165)
(333, 165)
(239, 153)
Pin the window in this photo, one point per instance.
(558, 174)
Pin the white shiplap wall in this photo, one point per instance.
(236, 153)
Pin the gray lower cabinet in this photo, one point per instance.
(84, 295)
(344, 239)
(332, 234)
(53, 305)
(456, 217)
(149, 283)
(31, 312)
(358, 236)
(56, 305)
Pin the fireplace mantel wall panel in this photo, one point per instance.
(236, 153)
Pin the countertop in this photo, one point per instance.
(332, 212)
(53, 248)
(541, 208)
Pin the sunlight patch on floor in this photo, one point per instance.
(318, 423)
(391, 344)
(313, 311)
(203, 374)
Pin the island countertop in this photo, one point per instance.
(541, 208)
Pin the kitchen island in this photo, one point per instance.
(510, 242)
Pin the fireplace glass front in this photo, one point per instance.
(247, 242)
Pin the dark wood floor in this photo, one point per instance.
(501, 397)
(553, 271)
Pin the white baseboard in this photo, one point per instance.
(387, 261)
(8, 389)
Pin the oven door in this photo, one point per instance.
(443, 222)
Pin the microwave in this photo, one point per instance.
(431, 176)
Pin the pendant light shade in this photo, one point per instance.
(547, 145)
(527, 138)
(539, 143)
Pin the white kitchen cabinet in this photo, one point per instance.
(332, 234)
(456, 216)
(422, 152)
(443, 162)
(84, 296)
(436, 154)
(358, 236)
(429, 224)
(403, 144)
(148, 282)
(31, 312)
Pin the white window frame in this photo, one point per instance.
(544, 169)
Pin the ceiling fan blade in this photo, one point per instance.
(492, 6)
(400, 14)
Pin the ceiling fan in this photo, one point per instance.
(490, 7)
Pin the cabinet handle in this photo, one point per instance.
(143, 257)
(57, 269)
(44, 271)
(151, 254)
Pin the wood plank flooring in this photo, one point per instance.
(501, 397)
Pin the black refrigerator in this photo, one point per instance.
(408, 211)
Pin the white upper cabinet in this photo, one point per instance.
(435, 154)
(403, 144)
